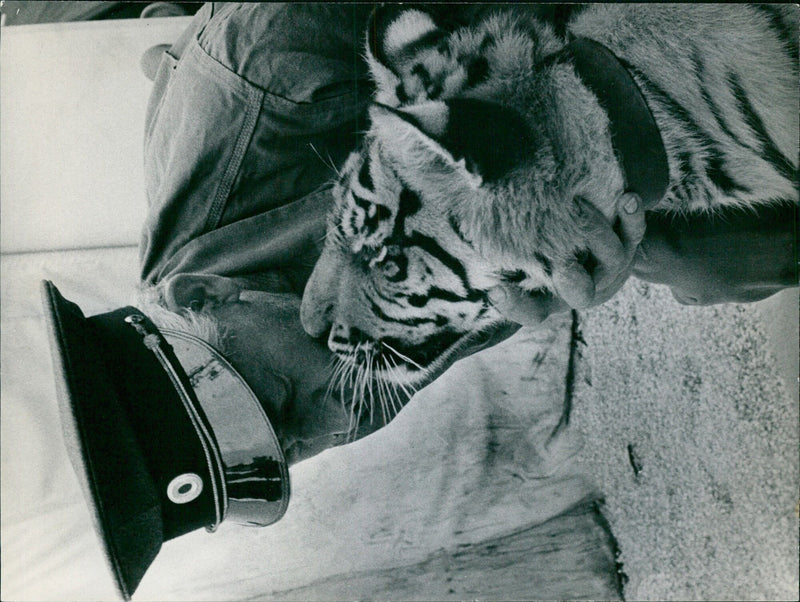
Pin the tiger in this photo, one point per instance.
(482, 136)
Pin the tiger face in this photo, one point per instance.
(397, 294)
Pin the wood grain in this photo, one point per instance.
(571, 556)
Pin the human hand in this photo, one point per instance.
(582, 282)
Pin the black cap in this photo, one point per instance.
(143, 448)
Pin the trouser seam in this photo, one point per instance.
(254, 98)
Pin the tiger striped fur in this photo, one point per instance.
(479, 143)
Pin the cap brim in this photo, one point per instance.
(110, 466)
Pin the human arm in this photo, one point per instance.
(732, 255)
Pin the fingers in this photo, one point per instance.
(574, 284)
(632, 221)
(613, 251)
(603, 243)
(523, 307)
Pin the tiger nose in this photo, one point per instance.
(315, 314)
(317, 306)
(344, 336)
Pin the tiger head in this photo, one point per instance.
(434, 210)
(397, 287)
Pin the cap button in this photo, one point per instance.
(184, 488)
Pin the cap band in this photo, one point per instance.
(250, 478)
(256, 476)
(153, 341)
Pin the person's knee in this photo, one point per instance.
(151, 59)
(288, 49)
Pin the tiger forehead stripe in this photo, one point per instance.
(365, 178)
(409, 204)
(374, 213)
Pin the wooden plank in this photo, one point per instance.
(571, 556)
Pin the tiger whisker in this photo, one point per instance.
(375, 382)
(383, 393)
(336, 369)
(331, 370)
(352, 419)
(368, 383)
(346, 382)
(391, 389)
(407, 389)
(362, 373)
(401, 356)
(328, 163)
(392, 369)
(360, 405)
(332, 380)
(343, 374)
(359, 384)
(409, 393)
(391, 393)
(352, 375)
(342, 397)
(399, 381)
(331, 234)
(333, 165)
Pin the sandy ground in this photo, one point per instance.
(689, 418)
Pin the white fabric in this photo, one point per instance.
(73, 102)
(49, 551)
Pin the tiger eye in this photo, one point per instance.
(390, 269)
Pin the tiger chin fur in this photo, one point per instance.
(479, 145)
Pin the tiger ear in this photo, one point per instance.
(481, 140)
(391, 31)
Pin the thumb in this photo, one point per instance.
(523, 307)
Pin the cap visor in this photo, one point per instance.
(122, 498)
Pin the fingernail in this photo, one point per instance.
(631, 206)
